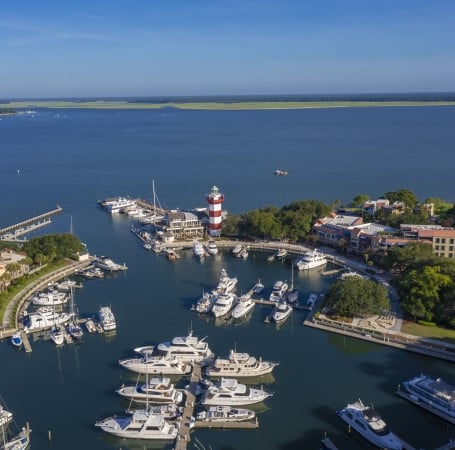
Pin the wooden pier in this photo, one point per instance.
(12, 232)
(328, 444)
(246, 425)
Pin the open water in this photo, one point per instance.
(75, 157)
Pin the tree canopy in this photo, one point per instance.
(355, 296)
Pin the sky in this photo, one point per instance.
(121, 48)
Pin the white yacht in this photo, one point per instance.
(20, 441)
(5, 416)
(198, 249)
(107, 318)
(281, 253)
(50, 298)
(44, 318)
(225, 283)
(187, 348)
(367, 422)
(225, 414)
(150, 363)
(106, 263)
(224, 303)
(142, 424)
(258, 288)
(212, 249)
(239, 365)
(437, 394)
(310, 260)
(237, 248)
(244, 305)
(281, 311)
(115, 205)
(232, 393)
(156, 391)
(206, 302)
(279, 291)
(65, 285)
(56, 335)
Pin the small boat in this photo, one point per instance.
(57, 335)
(65, 285)
(232, 393)
(5, 416)
(16, 340)
(142, 424)
(206, 302)
(168, 411)
(156, 391)
(107, 318)
(90, 325)
(198, 249)
(148, 246)
(212, 249)
(312, 299)
(367, 422)
(281, 172)
(226, 414)
(258, 288)
(239, 365)
(144, 349)
(75, 331)
(237, 248)
(281, 312)
(281, 253)
(244, 253)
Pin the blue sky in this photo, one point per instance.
(221, 47)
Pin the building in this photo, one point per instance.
(183, 224)
(215, 200)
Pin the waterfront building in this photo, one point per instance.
(215, 200)
(183, 224)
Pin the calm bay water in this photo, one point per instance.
(73, 158)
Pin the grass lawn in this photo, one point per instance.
(442, 334)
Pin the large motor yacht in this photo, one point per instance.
(156, 391)
(367, 422)
(311, 260)
(278, 292)
(281, 311)
(232, 393)
(224, 303)
(150, 363)
(226, 283)
(244, 305)
(226, 414)
(107, 318)
(239, 365)
(434, 394)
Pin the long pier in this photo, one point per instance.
(12, 232)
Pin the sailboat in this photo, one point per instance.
(74, 329)
(19, 441)
(293, 293)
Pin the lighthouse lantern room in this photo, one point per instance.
(215, 199)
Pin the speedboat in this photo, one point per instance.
(151, 363)
(156, 391)
(107, 318)
(225, 414)
(292, 296)
(65, 285)
(57, 335)
(435, 394)
(312, 298)
(281, 253)
(281, 311)
(212, 249)
(16, 341)
(225, 283)
(258, 288)
(142, 424)
(244, 305)
(278, 292)
(311, 260)
(232, 393)
(206, 302)
(187, 348)
(237, 248)
(90, 325)
(239, 365)
(198, 249)
(367, 422)
(224, 303)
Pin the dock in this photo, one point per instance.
(12, 232)
(246, 425)
(328, 444)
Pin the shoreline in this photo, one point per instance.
(220, 106)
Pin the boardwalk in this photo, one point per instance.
(12, 232)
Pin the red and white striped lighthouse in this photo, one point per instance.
(215, 199)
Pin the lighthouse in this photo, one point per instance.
(215, 199)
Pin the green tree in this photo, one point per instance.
(355, 296)
(402, 195)
(359, 200)
(399, 259)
